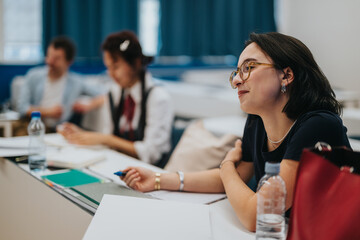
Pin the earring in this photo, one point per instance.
(283, 88)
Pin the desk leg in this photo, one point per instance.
(7, 129)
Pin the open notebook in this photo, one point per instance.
(72, 157)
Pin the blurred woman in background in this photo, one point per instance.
(141, 113)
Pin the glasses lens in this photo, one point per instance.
(245, 71)
(232, 76)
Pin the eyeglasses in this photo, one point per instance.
(244, 70)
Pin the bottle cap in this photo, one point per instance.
(35, 114)
(272, 168)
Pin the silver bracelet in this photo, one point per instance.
(223, 162)
(181, 177)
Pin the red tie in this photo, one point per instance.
(129, 110)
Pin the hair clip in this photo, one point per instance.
(124, 45)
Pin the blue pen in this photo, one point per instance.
(120, 173)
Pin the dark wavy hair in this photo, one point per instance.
(310, 90)
(65, 44)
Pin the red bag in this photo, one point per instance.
(327, 195)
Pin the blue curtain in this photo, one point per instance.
(87, 23)
(212, 27)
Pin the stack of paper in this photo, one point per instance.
(14, 146)
(72, 157)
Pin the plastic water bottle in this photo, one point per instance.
(271, 194)
(37, 147)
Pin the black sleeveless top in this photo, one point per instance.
(310, 128)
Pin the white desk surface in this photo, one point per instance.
(225, 224)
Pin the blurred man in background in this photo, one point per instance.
(55, 91)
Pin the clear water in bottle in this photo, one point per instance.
(37, 147)
(271, 194)
(270, 226)
(37, 163)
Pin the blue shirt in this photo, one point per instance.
(31, 92)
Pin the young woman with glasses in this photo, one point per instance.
(291, 106)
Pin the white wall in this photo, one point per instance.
(331, 29)
(1, 30)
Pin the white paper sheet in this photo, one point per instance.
(120, 217)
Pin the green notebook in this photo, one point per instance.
(71, 178)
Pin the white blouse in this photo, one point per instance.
(159, 119)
